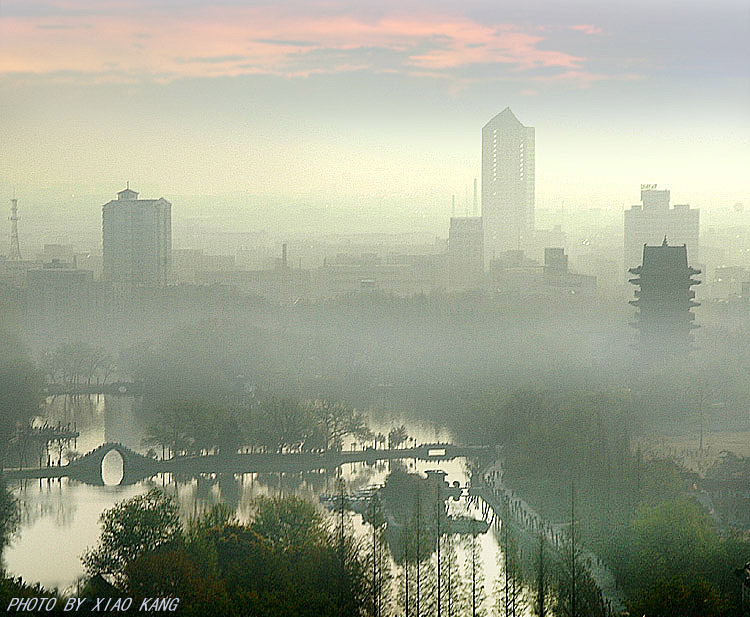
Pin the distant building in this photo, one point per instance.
(540, 239)
(188, 264)
(136, 240)
(513, 273)
(664, 301)
(399, 275)
(281, 284)
(13, 273)
(57, 293)
(728, 281)
(507, 184)
(60, 253)
(653, 219)
(466, 253)
(606, 270)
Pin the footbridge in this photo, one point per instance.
(88, 468)
(136, 467)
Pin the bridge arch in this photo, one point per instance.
(88, 468)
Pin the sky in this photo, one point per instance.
(316, 101)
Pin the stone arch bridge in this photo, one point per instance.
(136, 467)
(88, 468)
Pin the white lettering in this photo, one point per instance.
(50, 604)
(159, 604)
(73, 604)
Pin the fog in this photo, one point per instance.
(324, 309)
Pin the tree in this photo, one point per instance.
(454, 595)
(687, 597)
(541, 578)
(511, 595)
(576, 592)
(336, 421)
(20, 390)
(177, 572)
(130, 529)
(8, 515)
(174, 426)
(77, 363)
(378, 563)
(289, 523)
(281, 423)
(475, 575)
(397, 436)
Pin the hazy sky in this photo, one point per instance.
(333, 99)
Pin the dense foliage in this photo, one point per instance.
(286, 560)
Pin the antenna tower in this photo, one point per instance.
(15, 250)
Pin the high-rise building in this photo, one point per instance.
(507, 184)
(137, 240)
(466, 253)
(653, 219)
(664, 301)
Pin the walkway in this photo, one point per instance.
(502, 499)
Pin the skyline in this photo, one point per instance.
(347, 103)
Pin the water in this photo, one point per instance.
(60, 517)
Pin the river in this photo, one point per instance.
(59, 518)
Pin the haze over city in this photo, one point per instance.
(396, 309)
(245, 112)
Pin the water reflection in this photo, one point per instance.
(60, 517)
(112, 468)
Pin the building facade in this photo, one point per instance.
(466, 253)
(136, 240)
(653, 219)
(507, 184)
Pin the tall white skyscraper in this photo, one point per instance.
(137, 240)
(507, 183)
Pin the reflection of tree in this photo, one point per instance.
(61, 507)
(9, 515)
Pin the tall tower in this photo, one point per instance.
(15, 249)
(507, 183)
(664, 301)
(136, 240)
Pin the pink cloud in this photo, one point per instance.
(588, 29)
(232, 41)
